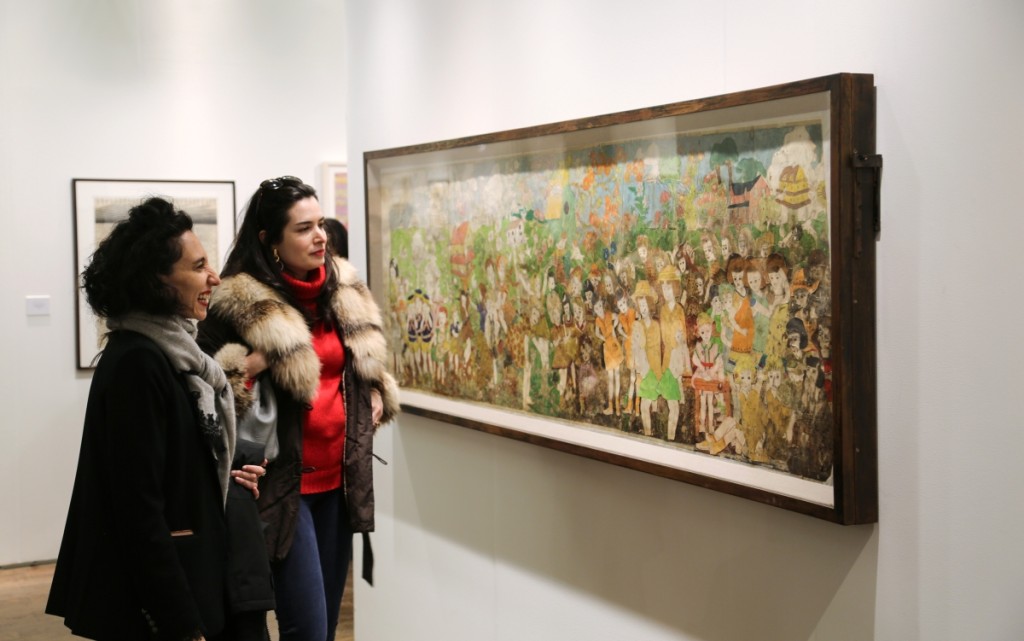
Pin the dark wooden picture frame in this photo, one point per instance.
(686, 290)
(99, 203)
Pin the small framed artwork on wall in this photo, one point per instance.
(334, 191)
(99, 204)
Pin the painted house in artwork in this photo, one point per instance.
(794, 189)
(745, 199)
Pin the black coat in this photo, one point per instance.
(143, 554)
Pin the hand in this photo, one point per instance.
(249, 477)
(255, 364)
(377, 406)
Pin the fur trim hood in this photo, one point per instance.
(269, 324)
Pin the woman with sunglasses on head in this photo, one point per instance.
(149, 545)
(310, 328)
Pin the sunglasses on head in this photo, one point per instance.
(272, 184)
(276, 183)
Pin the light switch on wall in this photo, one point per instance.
(37, 305)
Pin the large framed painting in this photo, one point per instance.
(99, 204)
(686, 290)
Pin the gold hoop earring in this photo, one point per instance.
(277, 258)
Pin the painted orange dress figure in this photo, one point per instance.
(605, 324)
(740, 315)
(708, 378)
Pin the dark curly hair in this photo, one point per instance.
(124, 272)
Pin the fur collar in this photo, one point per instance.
(267, 323)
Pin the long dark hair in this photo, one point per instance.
(124, 272)
(268, 211)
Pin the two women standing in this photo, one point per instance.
(149, 551)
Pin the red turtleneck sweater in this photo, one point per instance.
(323, 437)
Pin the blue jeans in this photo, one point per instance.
(309, 582)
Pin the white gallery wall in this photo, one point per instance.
(481, 537)
(485, 538)
(236, 90)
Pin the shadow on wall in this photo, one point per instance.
(710, 565)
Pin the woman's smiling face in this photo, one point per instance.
(192, 278)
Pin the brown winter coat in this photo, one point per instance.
(247, 315)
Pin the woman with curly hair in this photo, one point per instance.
(147, 549)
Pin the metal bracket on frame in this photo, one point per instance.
(868, 173)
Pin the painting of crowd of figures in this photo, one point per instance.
(677, 288)
(671, 288)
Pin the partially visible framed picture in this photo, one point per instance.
(687, 290)
(99, 204)
(334, 191)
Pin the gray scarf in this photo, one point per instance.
(204, 377)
